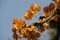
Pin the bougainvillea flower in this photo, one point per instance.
(45, 14)
(27, 18)
(29, 14)
(51, 6)
(46, 9)
(35, 7)
(18, 23)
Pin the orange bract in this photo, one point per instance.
(46, 9)
(45, 14)
(22, 23)
(35, 7)
(27, 18)
(13, 29)
(31, 11)
(18, 23)
(15, 36)
(15, 20)
(29, 14)
(51, 6)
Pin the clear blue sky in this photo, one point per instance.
(10, 9)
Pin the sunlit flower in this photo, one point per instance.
(35, 7)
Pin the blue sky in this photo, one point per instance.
(10, 9)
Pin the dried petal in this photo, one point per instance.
(13, 29)
(51, 6)
(15, 36)
(46, 9)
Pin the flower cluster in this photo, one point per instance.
(31, 11)
(47, 20)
